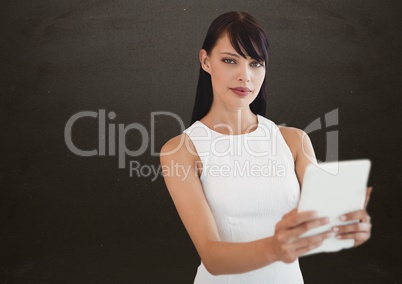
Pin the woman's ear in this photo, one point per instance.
(204, 60)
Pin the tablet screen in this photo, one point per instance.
(333, 189)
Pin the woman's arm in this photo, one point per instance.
(179, 160)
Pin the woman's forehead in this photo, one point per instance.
(224, 46)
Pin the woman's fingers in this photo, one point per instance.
(289, 251)
(360, 215)
(292, 234)
(304, 250)
(360, 231)
(295, 224)
(309, 225)
(293, 219)
(311, 242)
(352, 228)
(359, 237)
(288, 231)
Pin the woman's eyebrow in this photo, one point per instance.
(236, 55)
(232, 54)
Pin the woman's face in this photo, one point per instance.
(236, 81)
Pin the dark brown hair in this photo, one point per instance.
(244, 33)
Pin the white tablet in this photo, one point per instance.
(333, 189)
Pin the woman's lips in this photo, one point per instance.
(241, 91)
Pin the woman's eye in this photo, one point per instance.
(226, 60)
(257, 64)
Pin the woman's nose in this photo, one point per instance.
(244, 74)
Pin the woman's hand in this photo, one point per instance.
(288, 245)
(360, 231)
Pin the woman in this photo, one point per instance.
(234, 176)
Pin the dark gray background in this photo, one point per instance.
(71, 219)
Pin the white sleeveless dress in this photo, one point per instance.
(249, 181)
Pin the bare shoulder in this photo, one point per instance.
(181, 150)
(291, 132)
(293, 138)
(173, 144)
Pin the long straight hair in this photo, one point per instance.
(244, 32)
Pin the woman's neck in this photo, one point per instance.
(234, 122)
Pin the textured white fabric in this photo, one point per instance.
(249, 182)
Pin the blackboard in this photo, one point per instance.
(83, 69)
